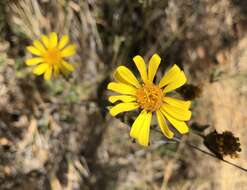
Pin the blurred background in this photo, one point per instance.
(58, 135)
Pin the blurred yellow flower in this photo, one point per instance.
(150, 97)
(50, 54)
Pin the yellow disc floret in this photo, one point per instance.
(149, 97)
(52, 56)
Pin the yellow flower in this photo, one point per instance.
(50, 54)
(150, 98)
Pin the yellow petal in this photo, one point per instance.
(45, 40)
(123, 74)
(123, 98)
(153, 66)
(163, 126)
(68, 51)
(34, 50)
(181, 126)
(178, 82)
(179, 114)
(34, 61)
(122, 88)
(53, 40)
(39, 46)
(56, 70)
(143, 137)
(68, 66)
(40, 69)
(137, 125)
(63, 70)
(119, 78)
(170, 76)
(63, 42)
(141, 66)
(123, 107)
(177, 103)
(47, 75)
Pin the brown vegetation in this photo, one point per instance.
(58, 135)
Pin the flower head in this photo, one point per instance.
(50, 54)
(150, 98)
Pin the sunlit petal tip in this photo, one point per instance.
(182, 74)
(170, 136)
(44, 36)
(179, 81)
(113, 114)
(123, 74)
(40, 69)
(48, 72)
(163, 125)
(45, 40)
(56, 71)
(34, 50)
(181, 104)
(170, 76)
(177, 113)
(137, 57)
(185, 131)
(109, 86)
(52, 34)
(188, 104)
(141, 66)
(138, 60)
(154, 63)
(181, 126)
(122, 88)
(123, 98)
(175, 67)
(121, 68)
(64, 71)
(137, 125)
(38, 45)
(143, 143)
(53, 39)
(190, 115)
(143, 136)
(111, 99)
(63, 42)
(34, 61)
(112, 85)
(68, 66)
(123, 107)
(68, 51)
(156, 57)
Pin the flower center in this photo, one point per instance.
(52, 56)
(149, 97)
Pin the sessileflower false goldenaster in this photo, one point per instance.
(50, 54)
(150, 98)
